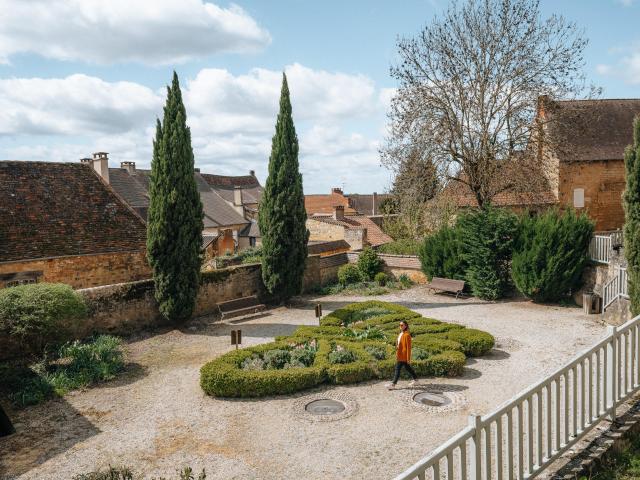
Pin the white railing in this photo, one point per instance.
(521, 438)
(600, 248)
(618, 286)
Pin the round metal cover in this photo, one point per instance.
(325, 406)
(432, 399)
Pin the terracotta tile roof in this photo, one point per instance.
(225, 185)
(61, 209)
(587, 130)
(375, 235)
(323, 204)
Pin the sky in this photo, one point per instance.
(80, 76)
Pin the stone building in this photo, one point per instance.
(243, 193)
(60, 222)
(578, 163)
(223, 224)
(357, 230)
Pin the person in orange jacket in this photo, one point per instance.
(403, 356)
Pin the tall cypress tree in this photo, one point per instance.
(631, 202)
(174, 226)
(282, 216)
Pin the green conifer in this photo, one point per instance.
(282, 217)
(174, 226)
(631, 202)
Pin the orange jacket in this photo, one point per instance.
(403, 351)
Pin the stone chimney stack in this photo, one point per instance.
(374, 201)
(100, 163)
(338, 212)
(129, 167)
(252, 173)
(337, 191)
(237, 196)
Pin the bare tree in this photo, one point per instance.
(468, 91)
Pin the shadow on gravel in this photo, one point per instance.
(42, 432)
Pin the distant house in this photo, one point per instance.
(223, 224)
(60, 222)
(579, 163)
(243, 193)
(357, 230)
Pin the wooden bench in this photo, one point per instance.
(447, 285)
(240, 306)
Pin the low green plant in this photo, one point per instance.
(369, 333)
(369, 263)
(39, 314)
(381, 278)
(341, 355)
(349, 274)
(376, 351)
(405, 281)
(277, 358)
(418, 353)
(125, 473)
(75, 365)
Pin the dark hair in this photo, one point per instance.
(405, 322)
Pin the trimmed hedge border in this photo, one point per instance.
(447, 345)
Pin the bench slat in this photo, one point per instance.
(447, 285)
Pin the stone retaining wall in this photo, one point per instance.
(396, 265)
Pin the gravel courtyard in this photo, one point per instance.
(156, 418)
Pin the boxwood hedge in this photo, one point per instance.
(447, 346)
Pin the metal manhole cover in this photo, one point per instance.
(432, 399)
(325, 406)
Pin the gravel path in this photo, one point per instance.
(156, 418)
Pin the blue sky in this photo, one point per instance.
(79, 76)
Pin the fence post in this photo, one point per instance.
(612, 372)
(475, 459)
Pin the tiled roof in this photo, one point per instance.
(375, 235)
(251, 230)
(207, 239)
(322, 246)
(587, 130)
(61, 209)
(134, 189)
(225, 185)
(323, 204)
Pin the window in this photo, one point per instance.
(19, 278)
(578, 197)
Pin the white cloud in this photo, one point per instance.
(232, 120)
(626, 3)
(75, 105)
(145, 31)
(626, 68)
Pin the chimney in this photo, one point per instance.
(130, 167)
(237, 196)
(338, 212)
(252, 173)
(337, 190)
(374, 206)
(100, 163)
(197, 170)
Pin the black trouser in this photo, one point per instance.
(409, 369)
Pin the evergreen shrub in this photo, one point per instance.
(441, 255)
(487, 238)
(369, 263)
(550, 254)
(348, 274)
(39, 314)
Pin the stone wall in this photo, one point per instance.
(324, 231)
(322, 270)
(84, 271)
(603, 184)
(396, 265)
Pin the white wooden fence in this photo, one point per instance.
(618, 286)
(521, 438)
(600, 248)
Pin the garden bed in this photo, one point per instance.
(352, 344)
